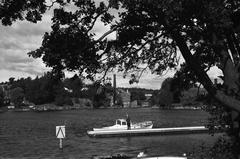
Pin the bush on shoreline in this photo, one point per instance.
(224, 147)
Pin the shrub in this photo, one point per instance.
(59, 100)
(223, 148)
(68, 101)
(63, 100)
(76, 101)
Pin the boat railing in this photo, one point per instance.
(142, 124)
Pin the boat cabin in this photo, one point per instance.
(121, 122)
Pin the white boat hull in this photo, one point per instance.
(153, 131)
(106, 157)
(164, 158)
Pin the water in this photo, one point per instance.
(32, 135)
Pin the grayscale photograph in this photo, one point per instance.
(119, 79)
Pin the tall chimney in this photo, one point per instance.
(215, 81)
(114, 89)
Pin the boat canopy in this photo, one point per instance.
(121, 122)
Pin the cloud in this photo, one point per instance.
(15, 42)
(147, 80)
(20, 38)
(99, 29)
(10, 58)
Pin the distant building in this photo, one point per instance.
(147, 101)
(145, 104)
(148, 95)
(125, 97)
(82, 102)
(5, 88)
(134, 104)
(11, 107)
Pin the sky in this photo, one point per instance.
(20, 38)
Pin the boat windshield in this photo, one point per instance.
(118, 122)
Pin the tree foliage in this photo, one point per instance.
(17, 96)
(49, 89)
(223, 148)
(101, 95)
(165, 94)
(42, 89)
(137, 95)
(75, 85)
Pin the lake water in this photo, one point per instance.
(32, 135)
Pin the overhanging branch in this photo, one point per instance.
(227, 101)
(191, 61)
(106, 34)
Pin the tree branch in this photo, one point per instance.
(235, 41)
(95, 19)
(144, 69)
(232, 48)
(227, 101)
(193, 63)
(51, 5)
(106, 34)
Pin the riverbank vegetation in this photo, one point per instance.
(49, 89)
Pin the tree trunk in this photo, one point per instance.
(230, 67)
(231, 76)
(227, 100)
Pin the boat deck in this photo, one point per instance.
(153, 131)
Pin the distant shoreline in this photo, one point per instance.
(55, 108)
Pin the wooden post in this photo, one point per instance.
(60, 143)
(114, 89)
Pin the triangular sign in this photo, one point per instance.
(60, 131)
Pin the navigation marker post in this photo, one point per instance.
(60, 133)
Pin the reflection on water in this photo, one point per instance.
(32, 135)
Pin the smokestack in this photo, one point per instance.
(114, 89)
(215, 81)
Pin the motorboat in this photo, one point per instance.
(121, 124)
(125, 156)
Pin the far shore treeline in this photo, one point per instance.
(48, 89)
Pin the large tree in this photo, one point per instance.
(165, 95)
(150, 33)
(1, 97)
(17, 96)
